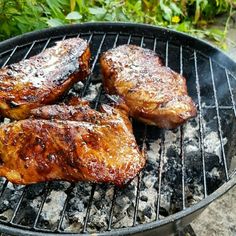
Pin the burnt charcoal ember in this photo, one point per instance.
(4, 205)
(76, 207)
(148, 212)
(148, 193)
(2, 183)
(214, 172)
(60, 185)
(35, 190)
(9, 199)
(123, 212)
(52, 208)
(144, 198)
(31, 202)
(27, 215)
(194, 173)
(100, 208)
(78, 86)
(92, 92)
(171, 197)
(194, 178)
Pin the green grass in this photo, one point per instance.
(189, 16)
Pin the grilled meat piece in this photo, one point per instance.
(89, 146)
(69, 112)
(43, 78)
(154, 93)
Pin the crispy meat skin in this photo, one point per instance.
(89, 146)
(154, 93)
(43, 78)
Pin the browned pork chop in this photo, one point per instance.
(43, 78)
(155, 94)
(88, 146)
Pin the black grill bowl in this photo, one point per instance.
(187, 168)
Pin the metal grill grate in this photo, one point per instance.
(183, 174)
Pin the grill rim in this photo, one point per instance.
(140, 29)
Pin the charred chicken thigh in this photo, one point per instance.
(155, 94)
(43, 78)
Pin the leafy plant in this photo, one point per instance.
(190, 16)
(17, 17)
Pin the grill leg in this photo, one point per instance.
(187, 231)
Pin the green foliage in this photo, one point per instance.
(190, 16)
(17, 17)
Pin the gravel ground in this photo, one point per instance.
(219, 219)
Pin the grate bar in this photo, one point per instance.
(219, 121)
(64, 207)
(129, 39)
(155, 44)
(162, 152)
(18, 205)
(161, 163)
(112, 209)
(27, 53)
(200, 124)
(116, 40)
(10, 56)
(181, 59)
(88, 80)
(182, 154)
(140, 174)
(88, 209)
(4, 187)
(220, 107)
(46, 192)
(167, 52)
(231, 92)
(139, 179)
(46, 44)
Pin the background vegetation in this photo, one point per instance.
(190, 16)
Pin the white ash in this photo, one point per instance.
(74, 216)
(123, 213)
(212, 143)
(232, 166)
(7, 215)
(6, 120)
(53, 206)
(9, 199)
(214, 173)
(35, 204)
(148, 190)
(92, 92)
(191, 136)
(102, 200)
(78, 86)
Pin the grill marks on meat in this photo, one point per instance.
(89, 146)
(43, 78)
(154, 93)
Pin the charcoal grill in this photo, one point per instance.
(187, 168)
